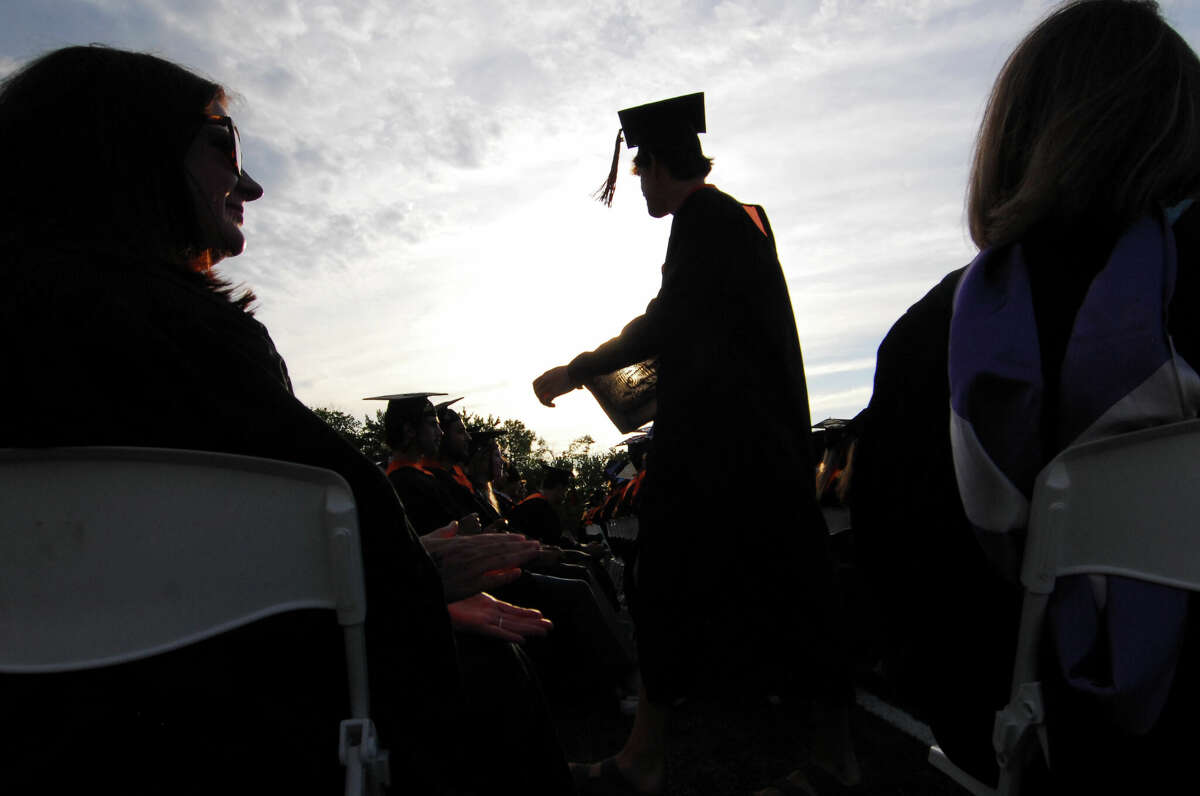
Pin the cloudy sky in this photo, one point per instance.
(428, 168)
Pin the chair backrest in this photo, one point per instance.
(1126, 505)
(109, 555)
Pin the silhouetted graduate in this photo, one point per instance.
(411, 431)
(735, 585)
(535, 516)
(448, 466)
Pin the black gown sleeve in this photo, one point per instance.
(691, 279)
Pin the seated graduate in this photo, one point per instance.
(1075, 322)
(485, 464)
(413, 434)
(536, 516)
(450, 463)
(124, 187)
(509, 488)
(431, 485)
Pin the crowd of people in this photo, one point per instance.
(124, 188)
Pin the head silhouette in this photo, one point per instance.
(1094, 119)
(94, 142)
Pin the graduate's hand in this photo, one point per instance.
(484, 615)
(551, 384)
(471, 564)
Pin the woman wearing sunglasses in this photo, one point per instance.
(122, 188)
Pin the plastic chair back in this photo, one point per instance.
(110, 555)
(1126, 505)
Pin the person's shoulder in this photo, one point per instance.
(409, 476)
(711, 200)
(70, 290)
(933, 309)
(710, 213)
(916, 342)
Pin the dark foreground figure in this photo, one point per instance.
(124, 185)
(1082, 298)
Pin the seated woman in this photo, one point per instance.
(123, 188)
(1074, 322)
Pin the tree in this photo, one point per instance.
(588, 468)
(366, 435)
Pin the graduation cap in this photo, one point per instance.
(480, 439)
(671, 123)
(556, 476)
(828, 433)
(408, 407)
(444, 412)
(405, 396)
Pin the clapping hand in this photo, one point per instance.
(484, 615)
(471, 564)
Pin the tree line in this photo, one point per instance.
(521, 446)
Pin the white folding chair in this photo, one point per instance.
(111, 555)
(624, 528)
(1126, 505)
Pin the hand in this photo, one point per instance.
(553, 383)
(471, 564)
(484, 615)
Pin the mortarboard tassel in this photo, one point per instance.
(606, 191)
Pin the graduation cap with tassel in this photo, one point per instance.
(672, 123)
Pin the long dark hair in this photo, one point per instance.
(1094, 119)
(92, 141)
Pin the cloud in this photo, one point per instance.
(845, 366)
(427, 220)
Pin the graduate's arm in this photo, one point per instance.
(641, 339)
(692, 277)
(636, 342)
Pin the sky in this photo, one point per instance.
(428, 222)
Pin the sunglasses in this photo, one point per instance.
(227, 123)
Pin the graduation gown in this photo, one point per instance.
(424, 496)
(461, 494)
(950, 616)
(733, 565)
(536, 518)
